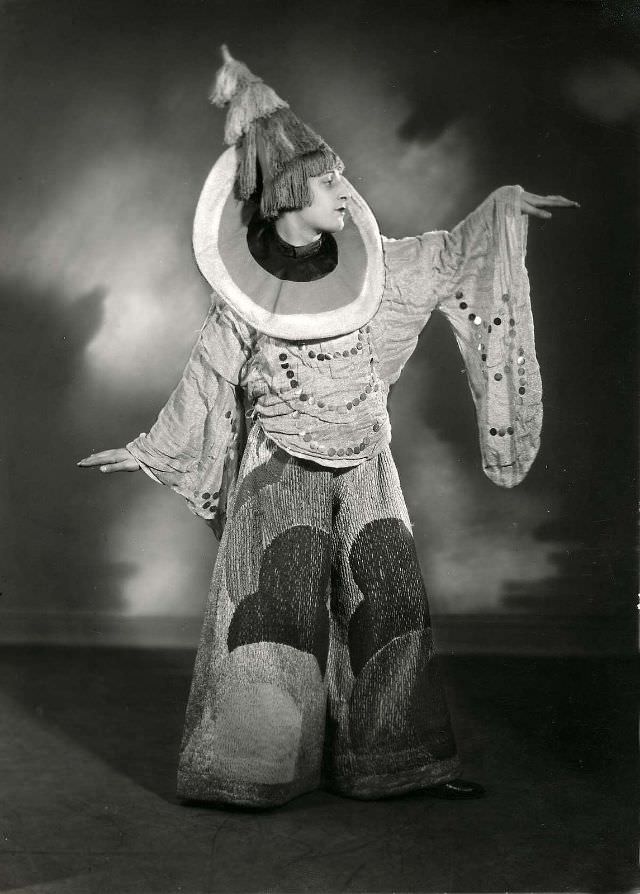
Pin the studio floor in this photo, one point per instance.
(87, 764)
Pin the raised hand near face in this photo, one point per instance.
(117, 460)
(535, 205)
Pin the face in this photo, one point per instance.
(329, 195)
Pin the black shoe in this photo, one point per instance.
(456, 789)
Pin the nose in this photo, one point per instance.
(343, 193)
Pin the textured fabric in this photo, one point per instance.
(325, 400)
(198, 438)
(322, 401)
(316, 662)
(476, 276)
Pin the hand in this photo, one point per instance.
(118, 460)
(532, 204)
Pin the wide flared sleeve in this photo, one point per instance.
(195, 445)
(476, 276)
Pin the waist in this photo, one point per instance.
(336, 437)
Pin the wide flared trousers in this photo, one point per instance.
(316, 663)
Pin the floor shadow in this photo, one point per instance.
(125, 706)
(552, 739)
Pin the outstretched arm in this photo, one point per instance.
(476, 276)
(195, 443)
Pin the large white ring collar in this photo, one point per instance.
(340, 302)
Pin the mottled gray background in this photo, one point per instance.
(107, 139)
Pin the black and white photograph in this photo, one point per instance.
(319, 455)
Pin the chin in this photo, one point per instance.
(334, 227)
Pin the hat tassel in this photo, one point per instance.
(248, 96)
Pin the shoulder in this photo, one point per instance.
(228, 322)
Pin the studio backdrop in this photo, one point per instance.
(107, 139)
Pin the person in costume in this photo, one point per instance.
(316, 664)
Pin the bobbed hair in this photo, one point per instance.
(289, 190)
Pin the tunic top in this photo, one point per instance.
(326, 400)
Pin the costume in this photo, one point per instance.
(316, 662)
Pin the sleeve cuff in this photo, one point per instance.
(142, 465)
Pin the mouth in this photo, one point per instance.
(342, 209)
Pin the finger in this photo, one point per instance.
(558, 202)
(105, 456)
(534, 211)
(549, 201)
(126, 465)
(564, 202)
(93, 460)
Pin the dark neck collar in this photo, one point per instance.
(296, 251)
(297, 263)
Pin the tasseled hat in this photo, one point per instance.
(264, 170)
(277, 152)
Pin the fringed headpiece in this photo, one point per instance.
(277, 151)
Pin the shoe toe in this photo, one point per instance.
(457, 788)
